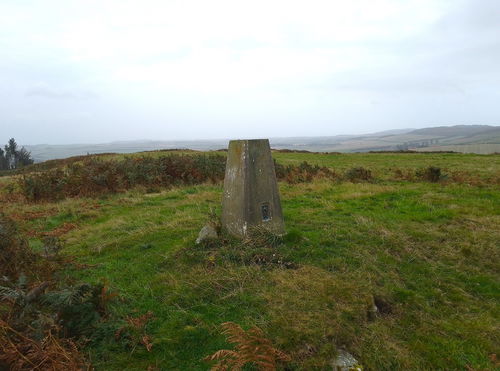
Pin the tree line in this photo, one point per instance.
(11, 157)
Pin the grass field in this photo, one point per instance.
(427, 254)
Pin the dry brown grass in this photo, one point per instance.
(20, 352)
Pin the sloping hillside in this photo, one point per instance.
(457, 130)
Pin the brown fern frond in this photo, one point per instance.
(251, 347)
(221, 354)
(20, 352)
(146, 341)
(281, 356)
(227, 364)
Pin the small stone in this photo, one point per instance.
(146, 246)
(345, 362)
(207, 233)
(372, 311)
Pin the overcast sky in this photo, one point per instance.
(97, 71)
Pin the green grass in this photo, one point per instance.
(383, 164)
(428, 252)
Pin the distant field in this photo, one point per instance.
(427, 253)
(465, 148)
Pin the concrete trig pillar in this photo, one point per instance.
(251, 196)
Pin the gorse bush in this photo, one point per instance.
(94, 176)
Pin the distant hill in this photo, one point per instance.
(459, 138)
(457, 130)
(486, 139)
(43, 152)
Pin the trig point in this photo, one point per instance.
(251, 195)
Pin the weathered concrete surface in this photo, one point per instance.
(251, 196)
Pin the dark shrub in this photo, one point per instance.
(16, 256)
(302, 173)
(94, 176)
(430, 174)
(358, 174)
